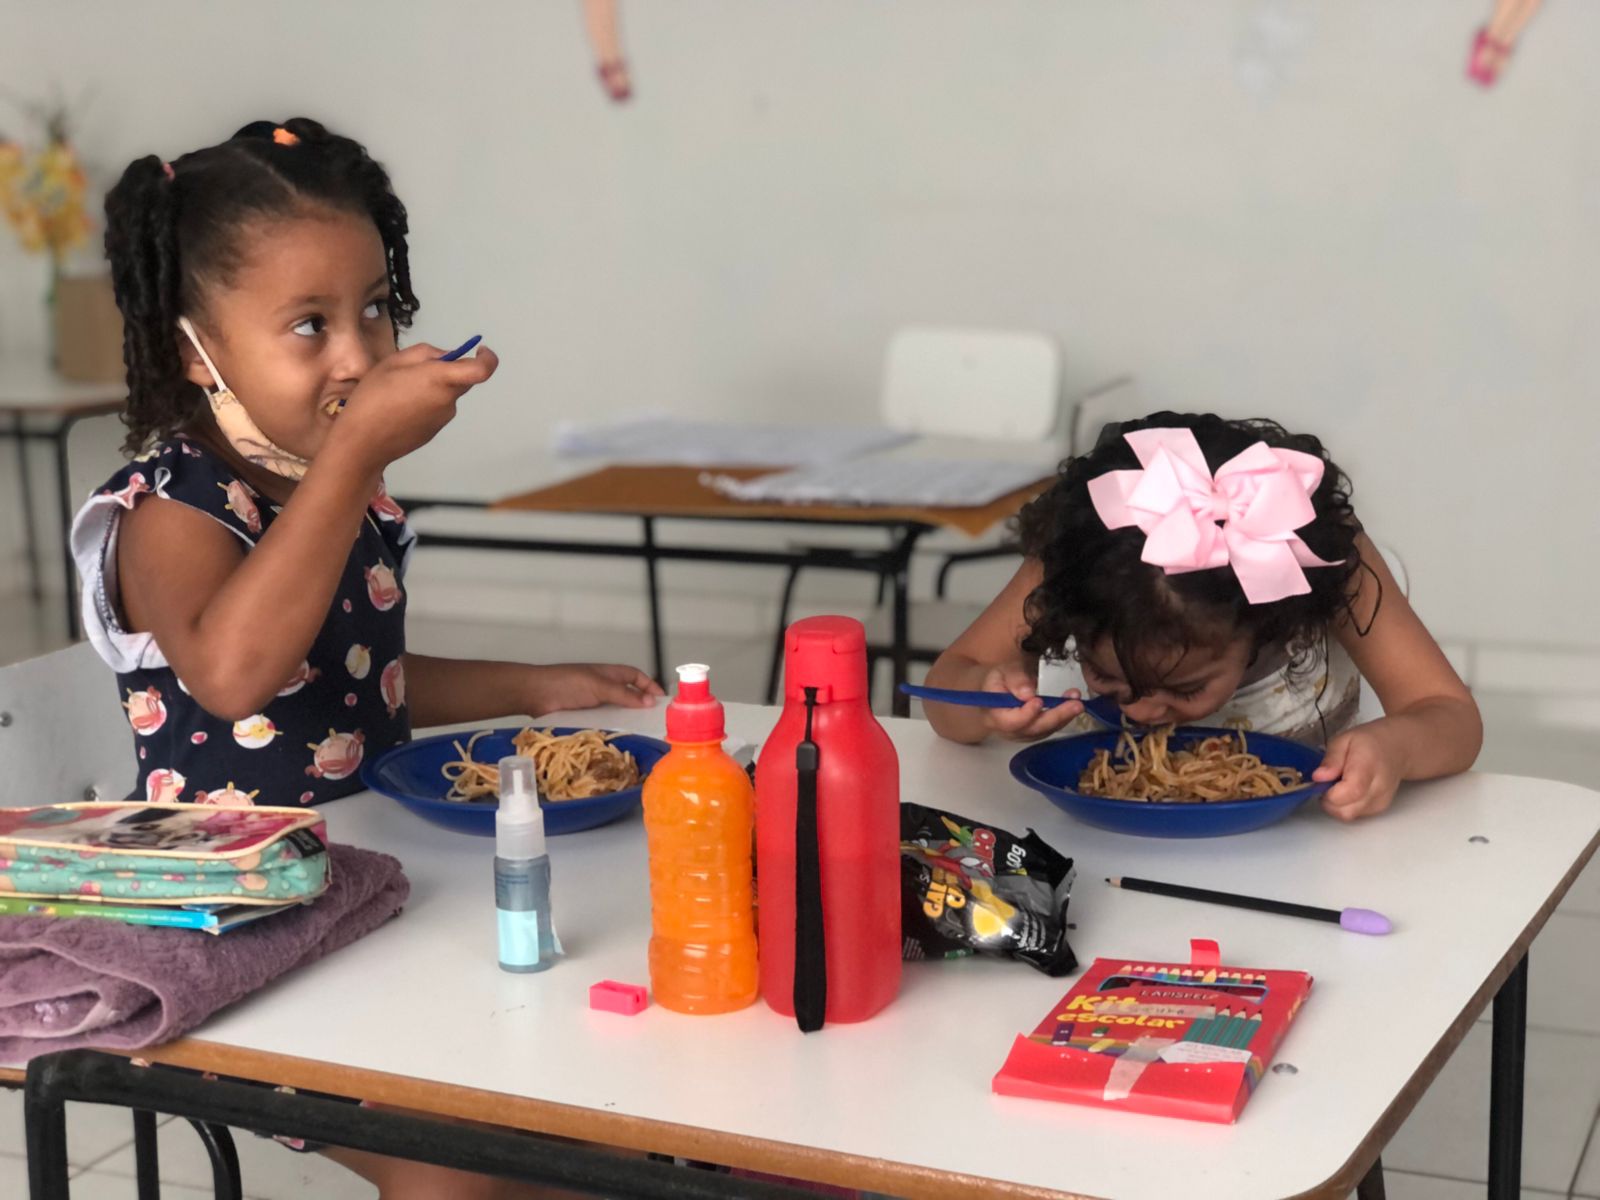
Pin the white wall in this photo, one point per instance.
(1293, 209)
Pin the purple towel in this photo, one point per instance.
(85, 981)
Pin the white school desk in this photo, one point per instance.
(419, 1015)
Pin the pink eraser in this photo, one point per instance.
(626, 998)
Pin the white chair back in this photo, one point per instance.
(63, 736)
(973, 383)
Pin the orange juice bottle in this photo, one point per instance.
(699, 816)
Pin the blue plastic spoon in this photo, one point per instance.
(1102, 708)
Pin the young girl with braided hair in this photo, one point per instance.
(243, 574)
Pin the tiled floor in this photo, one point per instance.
(1439, 1154)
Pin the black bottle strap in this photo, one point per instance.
(810, 950)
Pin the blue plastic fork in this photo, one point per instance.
(1102, 708)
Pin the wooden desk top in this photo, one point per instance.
(671, 491)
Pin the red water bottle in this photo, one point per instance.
(828, 836)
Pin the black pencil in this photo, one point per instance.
(1356, 920)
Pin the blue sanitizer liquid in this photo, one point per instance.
(528, 939)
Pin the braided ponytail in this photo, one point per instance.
(147, 277)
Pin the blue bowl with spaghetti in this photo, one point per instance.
(1053, 770)
(413, 774)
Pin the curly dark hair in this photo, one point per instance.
(1095, 585)
(173, 230)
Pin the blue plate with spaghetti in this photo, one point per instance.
(1054, 768)
(413, 774)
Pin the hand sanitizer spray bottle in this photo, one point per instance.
(528, 940)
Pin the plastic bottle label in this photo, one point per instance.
(519, 938)
(528, 939)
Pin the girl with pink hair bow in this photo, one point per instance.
(1201, 570)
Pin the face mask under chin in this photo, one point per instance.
(235, 424)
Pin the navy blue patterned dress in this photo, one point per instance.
(343, 705)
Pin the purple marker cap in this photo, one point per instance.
(1364, 920)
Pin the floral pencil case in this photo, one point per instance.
(163, 853)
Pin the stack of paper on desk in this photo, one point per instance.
(666, 441)
(908, 482)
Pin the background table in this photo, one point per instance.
(36, 404)
(419, 1015)
(680, 493)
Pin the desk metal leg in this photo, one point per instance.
(30, 524)
(64, 501)
(780, 638)
(658, 650)
(900, 637)
(44, 1118)
(224, 1155)
(1508, 1050)
(900, 645)
(1371, 1186)
(146, 1156)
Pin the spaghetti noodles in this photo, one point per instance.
(572, 766)
(1215, 768)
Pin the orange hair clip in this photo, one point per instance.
(284, 137)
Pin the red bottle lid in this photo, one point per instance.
(829, 654)
(695, 715)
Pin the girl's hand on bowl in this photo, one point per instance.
(1367, 768)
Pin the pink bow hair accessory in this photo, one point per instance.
(1244, 516)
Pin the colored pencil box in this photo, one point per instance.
(1185, 1040)
(163, 853)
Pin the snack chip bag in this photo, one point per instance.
(969, 889)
